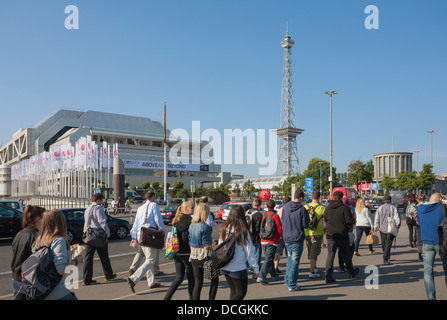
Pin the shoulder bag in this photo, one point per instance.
(152, 238)
(94, 237)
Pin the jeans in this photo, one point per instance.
(359, 230)
(182, 265)
(429, 252)
(267, 266)
(258, 252)
(294, 251)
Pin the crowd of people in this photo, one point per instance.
(290, 230)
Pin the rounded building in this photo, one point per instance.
(391, 164)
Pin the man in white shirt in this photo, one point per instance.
(154, 220)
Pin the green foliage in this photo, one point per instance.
(145, 185)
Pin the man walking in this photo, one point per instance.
(387, 210)
(153, 220)
(254, 218)
(295, 219)
(338, 218)
(95, 217)
(430, 215)
(314, 233)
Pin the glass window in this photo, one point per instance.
(6, 212)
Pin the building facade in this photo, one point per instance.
(391, 164)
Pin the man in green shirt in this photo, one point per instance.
(314, 234)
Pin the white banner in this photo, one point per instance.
(159, 165)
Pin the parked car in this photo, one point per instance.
(375, 204)
(119, 228)
(398, 197)
(169, 212)
(137, 199)
(368, 201)
(160, 200)
(15, 204)
(277, 207)
(10, 221)
(226, 207)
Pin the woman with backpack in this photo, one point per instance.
(23, 243)
(200, 242)
(53, 234)
(182, 221)
(235, 271)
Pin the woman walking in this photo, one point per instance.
(200, 243)
(363, 225)
(236, 270)
(182, 221)
(22, 245)
(53, 234)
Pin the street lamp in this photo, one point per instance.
(431, 146)
(417, 159)
(330, 93)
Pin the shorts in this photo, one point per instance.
(313, 244)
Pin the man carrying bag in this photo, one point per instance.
(148, 217)
(96, 233)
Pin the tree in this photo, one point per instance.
(313, 170)
(177, 185)
(155, 185)
(359, 172)
(145, 185)
(426, 177)
(388, 183)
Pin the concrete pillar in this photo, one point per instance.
(119, 180)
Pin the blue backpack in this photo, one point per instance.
(39, 275)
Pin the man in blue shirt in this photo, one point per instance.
(430, 215)
(153, 220)
(295, 219)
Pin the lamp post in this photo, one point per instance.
(417, 159)
(431, 146)
(330, 93)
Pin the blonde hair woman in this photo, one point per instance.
(363, 224)
(200, 241)
(53, 234)
(182, 221)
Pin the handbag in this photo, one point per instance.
(372, 238)
(172, 243)
(152, 238)
(392, 227)
(210, 272)
(94, 237)
(223, 253)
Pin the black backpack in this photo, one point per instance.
(313, 224)
(268, 226)
(249, 218)
(39, 275)
(222, 254)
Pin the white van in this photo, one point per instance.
(130, 193)
(15, 204)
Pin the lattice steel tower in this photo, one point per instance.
(288, 164)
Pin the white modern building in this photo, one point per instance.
(139, 139)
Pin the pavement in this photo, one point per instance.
(402, 280)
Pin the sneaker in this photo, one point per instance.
(386, 262)
(372, 251)
(113, 277)
(131, 285)
(342, 270)
(260, 280)
(275, 278)
(89, 283)
(314, 275)
(155, 285)
(277, 270)
(294, 288)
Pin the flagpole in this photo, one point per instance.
(165, 169)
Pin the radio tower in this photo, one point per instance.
(288, 164)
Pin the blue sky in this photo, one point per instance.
(220, 62)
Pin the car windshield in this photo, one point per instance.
(227, 206)
(171, 208)
(377, 201)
